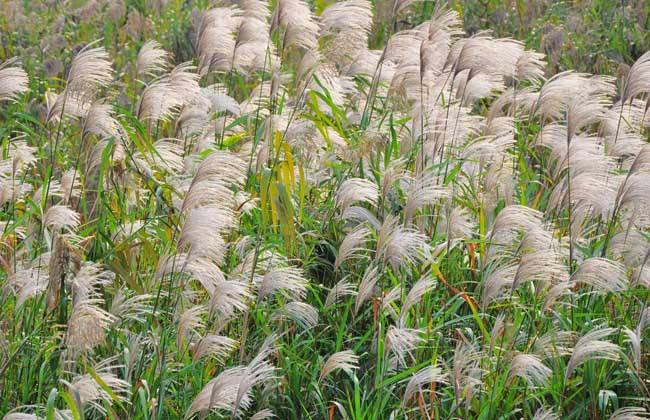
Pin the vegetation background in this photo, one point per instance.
(282, 322)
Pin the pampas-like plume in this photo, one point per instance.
(620, 127)
(348, 22)
(24, 416)
(415, 295)
(12, 190)
(228, 297)
(210, 193)
(64, 262)
(585, 109)
(498, 332)
(90, 393)
(222, 165)
(637, 81)
(512, 102)
(634, 338)
(87, 326)
(629, 413)
(544, 266)
(555, 293)
(168, 94)
(393, 173)
(289, 279)
(486, 55)
(584, 153)
(216, 39)
(516, 218)
(152, 59)
(302, 313)
(400, 246)
(401, 5)
(457, 224)
(555, 343)
(29, 280)
(641, 274)
(388, 300)
(480, 86)
(340, 289)
(641, 162)
(425, 376)
(100, 121)
(297, 20)
(444, 24)
(545, 414)
(530, 368)
(356, 189)
(13, 80)
(220, 394)
(635, 189)
(401, 342)
(231, 390)
(348, 53)
(353, 246)
(214, 346)
(602, 274)
(314, 75)
(90, 71)
(263, 415)
(253, 47)
(563, 88)
(202, 230)
(509, 223)
(490, 148)
(61, 217)
(202, 269)
(344, 360)
(196, 117)
(593, 194)
(188, 323)
(422, 191)
(117, 153)
(259, 371)
(166, 155)
(499, 184)
(466, 373)
(367, 286)
(530, 67)
(74, 106)
(88, 279)
(445, 129)
(353, 16)
(213, 99)
(134, 308)
(591, 346)
(408, 50)
(20, 157)
(361, 215)
(497, 283)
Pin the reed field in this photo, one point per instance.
(319, 209)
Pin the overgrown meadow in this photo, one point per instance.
(327, 210)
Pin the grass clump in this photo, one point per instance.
(328, 210)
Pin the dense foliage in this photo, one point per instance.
(349, 209)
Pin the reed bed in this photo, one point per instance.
(266, 210)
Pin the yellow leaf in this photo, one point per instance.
(273, 195)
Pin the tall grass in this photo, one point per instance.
(328, 210)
